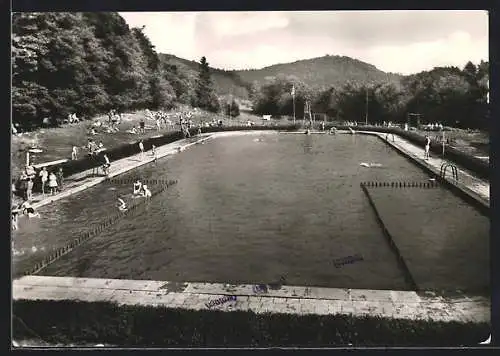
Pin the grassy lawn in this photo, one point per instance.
(57, 142)
(72, 322)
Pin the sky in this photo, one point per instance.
(403, 42)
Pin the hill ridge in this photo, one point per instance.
(319, 73)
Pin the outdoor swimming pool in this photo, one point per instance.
(254, 209)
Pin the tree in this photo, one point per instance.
(205, 94)
(233, 109)
(274, 98)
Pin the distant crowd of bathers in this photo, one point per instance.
(51, 181)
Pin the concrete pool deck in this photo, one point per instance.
(281, 299)
(474, 185)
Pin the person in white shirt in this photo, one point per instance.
(106, 165)
(141, 147)
(427, 147)
(74, 153)
(153, 152)
(52, 183)
(44, 175)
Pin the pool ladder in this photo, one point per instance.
(444, 168)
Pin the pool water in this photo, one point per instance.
(249, 209)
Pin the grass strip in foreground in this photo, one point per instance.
(104, 322)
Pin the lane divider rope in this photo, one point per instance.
(422, 185)
(408, 276)
(85, 236)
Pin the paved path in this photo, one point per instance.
(281, 299)
(86, 179)
(466, 179)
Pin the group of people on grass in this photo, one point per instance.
(71, 119)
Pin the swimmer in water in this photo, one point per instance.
(146, 192)
(15, 214)
(123, 205)
(369, 165)
(137, 187)
(28, 210)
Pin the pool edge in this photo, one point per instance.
(296, 300)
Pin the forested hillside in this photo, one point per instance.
(88, 63)
(225, 82)
(449, 95)
(322, 73)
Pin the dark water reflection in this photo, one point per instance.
(246, 209)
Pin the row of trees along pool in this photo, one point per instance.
(89, 63)
(448, 95)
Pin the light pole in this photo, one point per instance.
(366, 110)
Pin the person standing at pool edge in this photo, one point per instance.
(153, 152)
(427, 147)
(141, 147)
(29, 191)
(52, 183)
(106, 164)
(60, 178)
(74, 153)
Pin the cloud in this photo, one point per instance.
(169, 32)
(241, 23)
(395, 41)
(455, 50)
